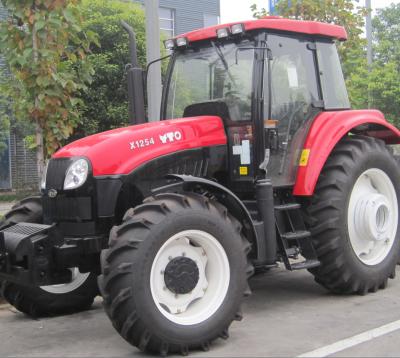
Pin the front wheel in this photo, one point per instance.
(354, 216)
(175, 274)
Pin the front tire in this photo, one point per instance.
(354, 216)
(75, 296)
(175, 274)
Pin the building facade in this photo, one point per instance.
(180, 16)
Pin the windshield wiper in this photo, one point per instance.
(223, 60)
(220, 55)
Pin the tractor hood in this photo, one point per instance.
(121, 150)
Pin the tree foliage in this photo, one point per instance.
(382, 82)
(386, 35)
(106, 101)
(45, 49)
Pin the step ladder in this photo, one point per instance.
(293, 238)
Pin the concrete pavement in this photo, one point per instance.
(287, 315)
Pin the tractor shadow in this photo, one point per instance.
(279, 288)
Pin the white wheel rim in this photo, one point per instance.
(78, 279)
(372, 216)
(212, 285)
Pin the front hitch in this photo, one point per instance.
(39, 255)
(26, 255)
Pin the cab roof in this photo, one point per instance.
(274, 23)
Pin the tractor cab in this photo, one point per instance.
(266, 84)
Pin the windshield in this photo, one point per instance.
(219, 72)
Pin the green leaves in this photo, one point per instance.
(106, 101)
(47, 57)
(383, 81)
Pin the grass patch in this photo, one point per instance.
(10, 196)
(7, 197)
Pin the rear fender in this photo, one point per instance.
(326, 131)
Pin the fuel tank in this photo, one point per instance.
(121, 150)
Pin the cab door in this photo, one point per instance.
(292, 98)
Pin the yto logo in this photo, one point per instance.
(170, 137)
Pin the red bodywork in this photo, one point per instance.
(275, 23)
(326, 131)
(122, 150)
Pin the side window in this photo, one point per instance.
(294, 86)
(291, 92)
(332, 81)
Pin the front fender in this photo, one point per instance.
(224, 196)
(326, 131)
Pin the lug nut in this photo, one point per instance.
(176, 295)
(162, 272)
(183, 254)
(169, 258)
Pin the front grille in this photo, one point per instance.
(56, 171)
(67, 209)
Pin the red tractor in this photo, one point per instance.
(258, 159)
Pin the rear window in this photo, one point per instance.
(333, 86)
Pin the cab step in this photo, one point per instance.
(294, 239)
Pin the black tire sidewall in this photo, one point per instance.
(380, 160)
(231, 242)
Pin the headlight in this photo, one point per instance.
(44, 174)
(77, 174)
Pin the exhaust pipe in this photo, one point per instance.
(136, 85)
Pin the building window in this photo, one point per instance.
(210, 20)
(167, 21)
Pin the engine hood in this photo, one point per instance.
(121, 150)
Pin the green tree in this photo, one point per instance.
(383, 81)
(106, 101)
(45, 49)
(386, 35)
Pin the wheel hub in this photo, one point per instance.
(190, 277)
(372, 216)
(181, 275)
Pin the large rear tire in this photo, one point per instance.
(354, 216)
(75, 296)
(175, 274)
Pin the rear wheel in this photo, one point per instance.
(46, 300)
(175, 274)
(354, 217)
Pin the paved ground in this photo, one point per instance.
(287, 315)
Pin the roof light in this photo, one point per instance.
(237, 29)
(223, 32)
(169, 44)
(182, 41)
